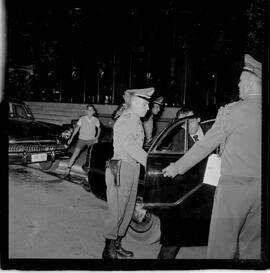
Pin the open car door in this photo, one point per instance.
(184, 203)
(162, 191)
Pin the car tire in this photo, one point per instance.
(147, 231)
(49, 166)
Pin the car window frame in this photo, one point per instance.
(166, 131)
(29, 111)
(14, 114)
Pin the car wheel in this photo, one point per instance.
(146, 231)
(49, 166)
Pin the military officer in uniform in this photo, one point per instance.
(122, 173)
(235, 229)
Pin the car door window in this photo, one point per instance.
(174, 141)
(21, 112)
(29, 113)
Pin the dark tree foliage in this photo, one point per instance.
(255, 37)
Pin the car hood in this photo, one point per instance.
(19, 129)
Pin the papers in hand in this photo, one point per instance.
(212, 171)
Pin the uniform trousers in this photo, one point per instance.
(235, 229)
(121, 199)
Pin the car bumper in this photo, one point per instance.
(28, 158)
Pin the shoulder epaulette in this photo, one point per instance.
(231, 105)
(220, 113)
(126, 115)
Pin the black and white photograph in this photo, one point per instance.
(134, 132)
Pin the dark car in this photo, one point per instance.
(32, 141)
(174, 211)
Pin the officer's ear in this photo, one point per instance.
(254, 81)
(199, 120)
(253, 85)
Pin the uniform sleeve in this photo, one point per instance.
(231, 119)
(129, 137)
(201, 149)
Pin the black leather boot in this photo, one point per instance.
(120, 250)
(109, 250)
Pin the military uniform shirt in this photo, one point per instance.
(128, 138)
(238, 126)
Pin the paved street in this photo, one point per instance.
(62, 220)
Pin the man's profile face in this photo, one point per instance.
(249, 84)
(140, 106)
(193, 125)
(243, 84)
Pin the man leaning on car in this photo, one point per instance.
(235, 229)
(122, 172)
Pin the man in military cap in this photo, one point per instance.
(235, 230)
(149, 122)
(122, 173)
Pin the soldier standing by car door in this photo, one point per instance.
(235, 229)
(122, 172)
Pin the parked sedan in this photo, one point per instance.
(174, 211)
(32, 141)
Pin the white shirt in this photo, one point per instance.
(88, 127)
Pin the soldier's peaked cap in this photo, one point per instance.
(158, 100)
(144, 93)
(253, 65)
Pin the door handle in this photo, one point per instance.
(153, 172)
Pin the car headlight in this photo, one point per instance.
(67, 134)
